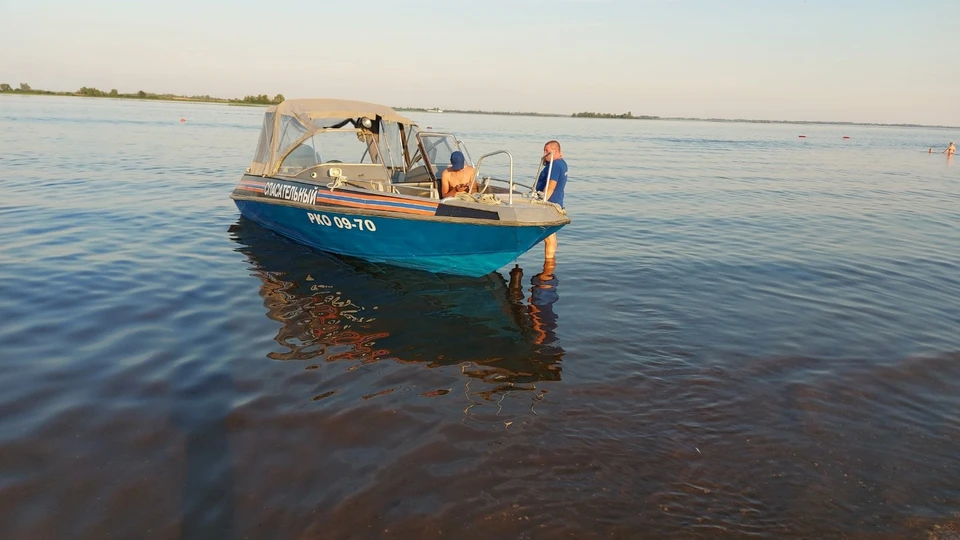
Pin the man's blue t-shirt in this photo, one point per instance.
(559, 175)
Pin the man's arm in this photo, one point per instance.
(548, 191)
(557, 173)
(472, 174)
(445, 184)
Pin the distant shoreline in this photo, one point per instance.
(264, 101)
(686, 119)
(25, 89)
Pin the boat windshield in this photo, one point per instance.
(434, 149)
(347, 144)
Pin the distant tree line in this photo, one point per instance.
(627, 116)
(472, 111)
(25, 88)
(93, 92)
(263, 99)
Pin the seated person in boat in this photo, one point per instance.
(458, 177)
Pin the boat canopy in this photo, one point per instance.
(293, 121)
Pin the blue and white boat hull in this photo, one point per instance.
(449, 244)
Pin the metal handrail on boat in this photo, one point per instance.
(477, 172)
(549, 174)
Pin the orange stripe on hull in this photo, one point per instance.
(367, 206)
(377, 198)
(373, 204)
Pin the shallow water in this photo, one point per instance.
(746, 333)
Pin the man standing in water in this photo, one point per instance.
(950, 150)
(552, 188)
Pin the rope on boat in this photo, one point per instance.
(537, 197)
(562, 210)
(338, 181)
(482, 198)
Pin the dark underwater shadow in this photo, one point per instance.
(336, 309)
(207, 501)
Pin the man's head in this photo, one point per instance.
(551, 147)
(456, 160)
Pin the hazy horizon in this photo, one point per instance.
(817, 61)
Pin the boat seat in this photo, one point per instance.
(422, 189)
(417, 175)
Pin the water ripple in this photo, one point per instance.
(746, 334)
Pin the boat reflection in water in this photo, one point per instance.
(354, 313)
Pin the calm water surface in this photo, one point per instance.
(746, 334)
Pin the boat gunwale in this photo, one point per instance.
(400, 215)
(347, 188)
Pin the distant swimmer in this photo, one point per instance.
(951, 150)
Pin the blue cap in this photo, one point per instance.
(456, 160)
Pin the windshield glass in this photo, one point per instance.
(438, 148)
(302, 157)
(391, 147)
(339, 140)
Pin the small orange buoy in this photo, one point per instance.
(183, 119)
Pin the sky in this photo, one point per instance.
(880, 61)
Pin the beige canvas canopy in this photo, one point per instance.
(315, 109)
(293, 120)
